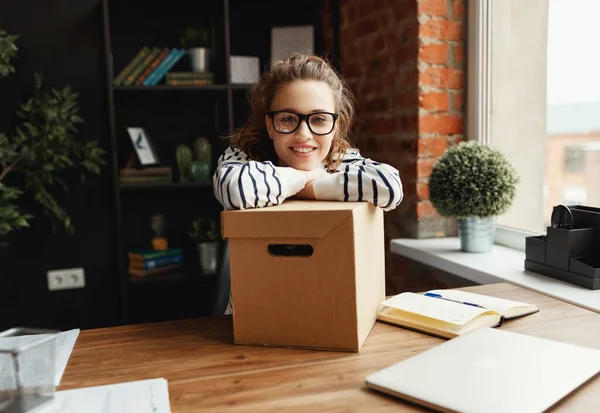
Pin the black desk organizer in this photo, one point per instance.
(570, 250)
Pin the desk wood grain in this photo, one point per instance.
(206, 372)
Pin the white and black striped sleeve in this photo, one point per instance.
(361, 179)
(240, 183)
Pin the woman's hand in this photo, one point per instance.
(311, 176)
(314, 174)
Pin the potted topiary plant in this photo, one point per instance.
(204, 233)
(195, 41)
(474, 184)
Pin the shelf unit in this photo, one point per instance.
(180, 114)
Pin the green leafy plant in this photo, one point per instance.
(42, 147)
(204, 229)
(8, 50)
(194, 37)
(472, 180)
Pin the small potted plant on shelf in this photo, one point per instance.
(474, 184)
(208, 241)
(195, 41)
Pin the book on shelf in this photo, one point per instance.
(189, 78)
(130, 80)
(163, 67)
(137, 59)
(154, 271)
(159, 179)
(149, 66)
(141, 254)
(449, 313)
(151, 171)
(158, 262)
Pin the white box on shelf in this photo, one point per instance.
(244, 69)
(290, 39)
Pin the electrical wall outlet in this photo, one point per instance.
(66, 279)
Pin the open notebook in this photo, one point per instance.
(489, 371)
(449, 313)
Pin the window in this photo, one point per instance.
(574, 159)
(533, 94)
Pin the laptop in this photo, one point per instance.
(489, 371)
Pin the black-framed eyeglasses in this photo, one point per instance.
(319, 123)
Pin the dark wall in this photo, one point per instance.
(62, 39)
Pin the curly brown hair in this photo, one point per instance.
(253, 137)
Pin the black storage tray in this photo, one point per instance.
(591, 283)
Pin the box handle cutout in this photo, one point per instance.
(290, 250)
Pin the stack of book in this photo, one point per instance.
(149, 66)
(143, 263)
(152, 175)
(189, 78)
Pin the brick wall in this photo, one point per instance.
(404, 61)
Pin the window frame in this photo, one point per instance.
(478, 97)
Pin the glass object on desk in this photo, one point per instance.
(27, 369)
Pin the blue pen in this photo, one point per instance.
(454, 301)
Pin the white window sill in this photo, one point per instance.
(501, 265)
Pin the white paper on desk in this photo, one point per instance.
(66, 341)
(144, 396)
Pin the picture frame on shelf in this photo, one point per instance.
(143, 146)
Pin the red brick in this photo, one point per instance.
(423, 191)
(377, 103)
(433, 7)
(436, 54)
(424, 167)
(352, 70)
(365, 7)
(404, 10)
(409, 171)
(373, 83)
(408, 80)
(432, 147)
(406, 53)
(458, 53)
(442, 124)
(425, 210)
(458, 9)
(378, 43)
(441, 30)
(352, 12)
(366, 27)
(441, 77)
(406, 99)
(382, 125)
(457, 101)
(408, 123)
(343, 17)
(434, 101)
(381, 63)
(348, 34)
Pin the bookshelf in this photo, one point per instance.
(179, 114)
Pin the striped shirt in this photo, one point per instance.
(241, 183)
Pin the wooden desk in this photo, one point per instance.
(206, 372)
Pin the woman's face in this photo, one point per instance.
(302, 149)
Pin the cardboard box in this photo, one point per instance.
(306, 273)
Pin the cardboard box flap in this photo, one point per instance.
(292, 219)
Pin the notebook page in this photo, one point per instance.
(434, 308)
(144, 396)
(505, 307)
